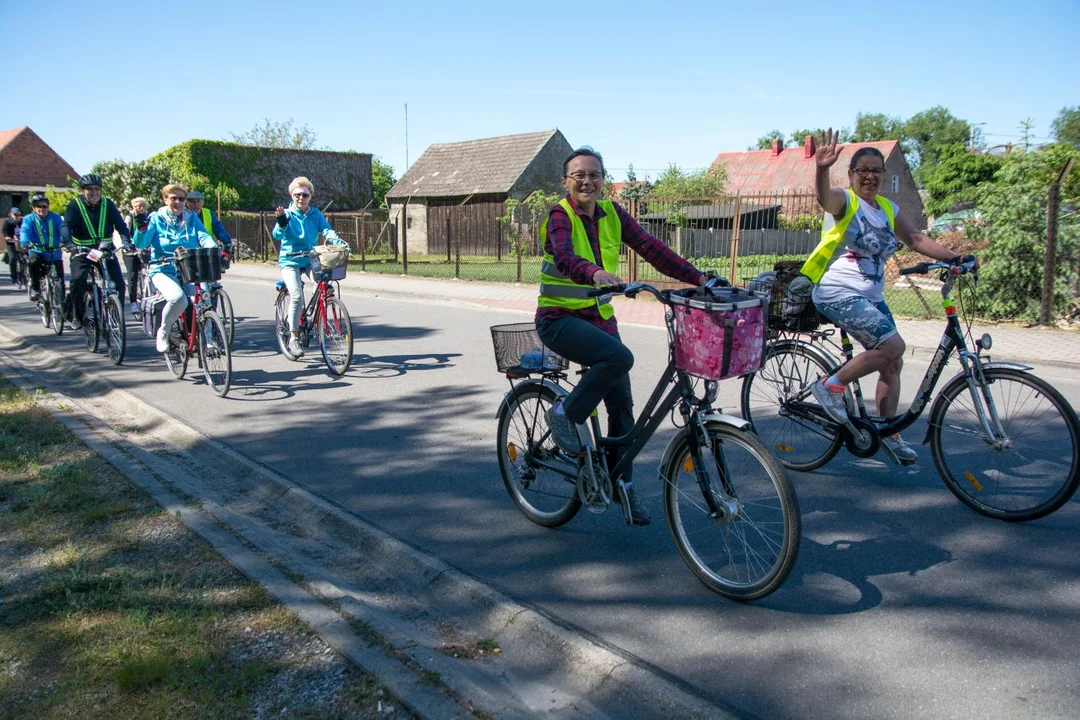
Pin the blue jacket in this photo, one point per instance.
(42, 237)
(164, 234)
(302, 235)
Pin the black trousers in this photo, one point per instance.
(80, 269)
(37, 267)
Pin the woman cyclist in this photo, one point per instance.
(859, 234)
(173, 226)
(582, 236)
(298, 228)
(41, 239)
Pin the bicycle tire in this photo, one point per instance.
(91, 331)
(336, 337)
(56, 303)
(1044, 442)
(44, 304)
(214, 354)
(787, 369)
(281, 325)
(222, 304)
(522, 423)
(114, 329)
(176, 357)
(750, 554)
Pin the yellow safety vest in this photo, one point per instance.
(815, 265)
(207, 222)
(557, 290)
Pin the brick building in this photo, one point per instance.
(27, 165)
(781, 170)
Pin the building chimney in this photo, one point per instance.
(777, 146)
(809, 147)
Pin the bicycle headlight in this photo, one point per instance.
(985, 342)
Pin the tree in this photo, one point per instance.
(798, 137)
(765, 142)
(284, 135)
(957, 177)
(678, 184)
(1066, 126)
(122, 180)
(382, 179)
(927, 134)
(873, 127)
(635, 190)
(1014, 217)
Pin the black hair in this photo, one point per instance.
(865, 151)
(583, 150)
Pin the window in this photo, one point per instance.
(896, 183)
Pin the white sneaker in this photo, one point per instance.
(903, 452)
(294, 347)
(832, 403)
(162, 341)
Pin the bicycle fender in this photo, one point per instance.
(961, 378)
(558, 389)
(732, 420)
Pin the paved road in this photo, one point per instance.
(904, 603)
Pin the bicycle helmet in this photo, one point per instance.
(195, 195)
(89, 179)
(40, 197)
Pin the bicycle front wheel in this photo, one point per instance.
(91, 329)
(281, 324)
(524, 445)
(1027, 474)
(114, 329)
(214, 353)
(176, 357)
(747, 550)
(56, 303)
(222, 304)
(336, 338)
(781, 422)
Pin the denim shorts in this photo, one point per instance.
(868, 322)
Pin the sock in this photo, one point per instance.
(833, 385)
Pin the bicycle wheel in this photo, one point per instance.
(176, 357)
(523, 442)
(56, 302)
(114, 329)
(91, 331)
(336, 338)
(1028, 475)
(800, 443)
(222, 304)
(214, 353)
(45, 304)
(749, 553)
(281, 324)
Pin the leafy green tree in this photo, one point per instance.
(1066, 126)
(928, 133)
(59, 197)
(678, 184)
(798, 137)
(123, 180)
(957, 177)
(282, 134)
(874, 127)
(635, 190)
(765, 141)
(1014, 217)
(382, 179)
(1026, 126)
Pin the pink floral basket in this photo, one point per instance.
(722, 336)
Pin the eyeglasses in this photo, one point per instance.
(178, 197)
(582, 176)
(41, 206)
(301, 194)
(864, 171)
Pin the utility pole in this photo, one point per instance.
(971, 136)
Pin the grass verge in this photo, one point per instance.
(110, 608)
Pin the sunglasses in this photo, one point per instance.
(300, 195)
(178, 197)
(41, 206)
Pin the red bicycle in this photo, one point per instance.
(325, 315)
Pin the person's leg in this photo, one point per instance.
(582, 342)
(175, 303)
(116, 274)
(291, 277)
(36, 267)
(74, 303)
(132, 263)
(59, 265)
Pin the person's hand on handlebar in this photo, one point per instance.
(603, 278)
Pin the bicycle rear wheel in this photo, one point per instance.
(222, 304)
(176, 357)
(114, 329)
(214, 353)
(750, 549)
(336, 338)
(91, 331)
(781, 423)
(56, 302)
(1029, 474)
(281, 324)
(523, 443)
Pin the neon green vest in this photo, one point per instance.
(557, 290)
(207, 222)
(815, 265)
(97, 237)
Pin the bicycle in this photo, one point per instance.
(324, 312)
(22, 279)
(199, 331)
(1004, 441)
(51, 301)
(729, 504)
(103, 309)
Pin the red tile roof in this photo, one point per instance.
(763, 171)
(26, 159)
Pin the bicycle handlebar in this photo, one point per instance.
(632, 289)
(962, 265)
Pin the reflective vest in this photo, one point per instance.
(816, 264)
(97, 237)
(207, 222)
(557, 290)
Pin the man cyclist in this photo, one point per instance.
(196, 202)
(11, 242)
(41, 238)
(89, 222)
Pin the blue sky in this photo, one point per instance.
(644, 83)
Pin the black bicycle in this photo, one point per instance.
(729, 504)
(51, 301)
(1004, 441)
(103, 309)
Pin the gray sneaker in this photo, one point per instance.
(903, 452)
(639, 514)
(295, 349)
(832, 403)
(564, 432)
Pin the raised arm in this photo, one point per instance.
(832, 200)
